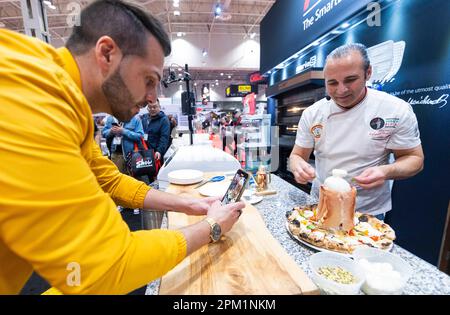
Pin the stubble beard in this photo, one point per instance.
(118, 97)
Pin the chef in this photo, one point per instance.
(357, 129)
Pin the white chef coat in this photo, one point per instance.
(357, 139)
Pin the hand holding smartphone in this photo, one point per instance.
(236, 188)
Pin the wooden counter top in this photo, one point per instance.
(247, 260)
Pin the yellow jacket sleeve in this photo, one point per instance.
(56, 212)
(124, 190)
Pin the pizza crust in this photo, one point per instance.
(368, 231)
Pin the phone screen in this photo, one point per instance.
(236, 188)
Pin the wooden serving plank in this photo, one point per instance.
(247, 260)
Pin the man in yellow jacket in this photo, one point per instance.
(58, 194)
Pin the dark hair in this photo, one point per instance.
(127, 24)
(346, 49)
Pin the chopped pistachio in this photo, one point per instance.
(337, 274)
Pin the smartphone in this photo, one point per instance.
(236, 188)
(115, 124)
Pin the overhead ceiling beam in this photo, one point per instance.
(215, 33)
(19, 17)
(209, 1)
(258, 20)
(211, 13)
(168, 18)
(217, 24)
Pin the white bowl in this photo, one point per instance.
(385, 273)
(185, 177)
(325, 259)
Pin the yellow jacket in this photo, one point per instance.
(57, 192)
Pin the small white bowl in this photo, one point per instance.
(382, 279)
(325, 259)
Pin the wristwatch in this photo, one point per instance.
(216, 231)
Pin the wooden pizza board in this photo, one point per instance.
(247, 260)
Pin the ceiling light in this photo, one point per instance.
(345, 25)
(195, 84)
(176, 13)
(49, 4)
(252, 35)
(180, 34)
(205, 53)
(229, 77)
(221, 74)
(217, 10)
(176, 3)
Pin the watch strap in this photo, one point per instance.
(211, 223)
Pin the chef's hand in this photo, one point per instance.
(303, 172)
(226, 216)
(200, 206)
(371, 177)
(158, 156)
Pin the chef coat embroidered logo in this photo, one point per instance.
(377, 123)
(316, 130)
(391, 122)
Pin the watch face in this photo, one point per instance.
(216, 232)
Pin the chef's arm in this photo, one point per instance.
(300, 153)
(407, 163)
(298, 161)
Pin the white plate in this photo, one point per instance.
(253, 199)
(323, 249)
(250, 197)
(217, 189)
(185, 177)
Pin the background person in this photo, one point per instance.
(173, 129)
(126, 135)
(236, 123)
(157, 128)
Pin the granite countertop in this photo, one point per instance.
(426, 279)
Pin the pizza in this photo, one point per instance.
(367, 231)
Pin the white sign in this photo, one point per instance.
(441, 101)
(311, 63)
(319, 13)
